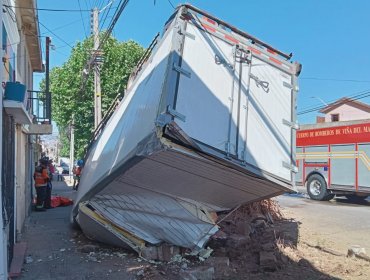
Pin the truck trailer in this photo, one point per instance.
(334, 159)
(208, 123)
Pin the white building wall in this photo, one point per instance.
(347, 113)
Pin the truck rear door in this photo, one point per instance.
(237, 99)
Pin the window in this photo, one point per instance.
(335, 117)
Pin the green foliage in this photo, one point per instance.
(66, 81)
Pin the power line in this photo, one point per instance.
(169, 1)
(354, 98)
(335, 80)
(106, 13)
(43, 9)
(83, 23)
(56, 35)
(333, 100)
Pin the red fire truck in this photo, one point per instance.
(334, 159)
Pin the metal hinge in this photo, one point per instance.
(264, 84)
(181, 71)
(291, 167)
(293, 125)
(285, 84)
(175, 114)
(220, 60)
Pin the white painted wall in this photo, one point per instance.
(3, 235)
(347, 113)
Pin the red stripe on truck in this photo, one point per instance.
(209, 20)
(254, 50)
(227, 37)
(209, 28)
(275, 60)
(271, 51)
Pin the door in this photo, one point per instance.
(206, 96)
(266, 107)
(364, 167)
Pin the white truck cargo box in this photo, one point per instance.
(207, 124)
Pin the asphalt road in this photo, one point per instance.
(337, 224)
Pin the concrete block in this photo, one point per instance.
(268, 261)
(237, 240)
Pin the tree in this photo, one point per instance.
(66, 82)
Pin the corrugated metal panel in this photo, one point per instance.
(155, 218)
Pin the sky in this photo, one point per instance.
(330, 38)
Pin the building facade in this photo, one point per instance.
(345, 109)
(20, 150)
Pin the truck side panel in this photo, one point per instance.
(343, 169)
(364, 167)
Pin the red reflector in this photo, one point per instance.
(271, 51)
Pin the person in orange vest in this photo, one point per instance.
(41, 178)
(49, 184)
(77, 174)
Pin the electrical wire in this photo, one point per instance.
(333, 100)
(43, 9)
(335, 80)
(169, 1)
(60, 38)
(354, 98)
(83, 23)
(105, 15)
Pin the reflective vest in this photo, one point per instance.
(41, 176)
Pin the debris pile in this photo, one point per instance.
(249, 241)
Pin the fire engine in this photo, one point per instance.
(334, 159)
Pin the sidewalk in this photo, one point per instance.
(56, 251)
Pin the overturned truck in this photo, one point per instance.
(207, 124)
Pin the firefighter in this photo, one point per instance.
(49, 184)
(41, 178)
(77, 174)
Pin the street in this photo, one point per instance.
(336, 224)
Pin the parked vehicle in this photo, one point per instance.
(207, 123)
(334, 159)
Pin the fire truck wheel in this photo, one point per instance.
(316, 188)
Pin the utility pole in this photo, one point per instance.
(97, 62)
(72, 146)
(47, 82)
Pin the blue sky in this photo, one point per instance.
(331, 38)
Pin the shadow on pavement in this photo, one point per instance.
(57, 251)
(345, 201)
